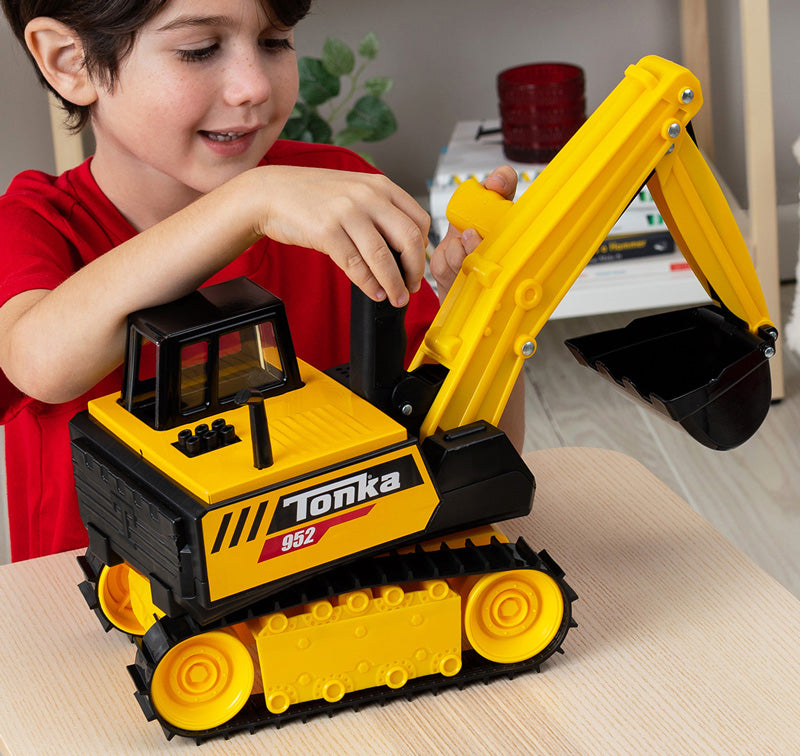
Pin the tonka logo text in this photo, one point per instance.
(349, 491)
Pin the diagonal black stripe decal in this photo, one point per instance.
(221, 534)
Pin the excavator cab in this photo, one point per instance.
(189, 360)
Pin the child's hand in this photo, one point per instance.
(354, 218)
(448, 256)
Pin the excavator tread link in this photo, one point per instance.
(417, 565)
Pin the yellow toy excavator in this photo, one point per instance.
(282, 542)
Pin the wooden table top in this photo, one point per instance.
(684, 646)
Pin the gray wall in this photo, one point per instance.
(444, 57)
(726, 99)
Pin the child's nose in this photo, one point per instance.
(247, 82)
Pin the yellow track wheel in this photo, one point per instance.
(114, 595)
(203, 681)
(512, 616)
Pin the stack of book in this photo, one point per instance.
(637, 267)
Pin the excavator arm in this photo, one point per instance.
(534, 249)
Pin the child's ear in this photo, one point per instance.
(58, 51)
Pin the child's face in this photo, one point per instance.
(203, 94)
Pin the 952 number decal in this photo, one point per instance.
(302, 538)
(298, 539)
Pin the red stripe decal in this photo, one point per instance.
(308, 535)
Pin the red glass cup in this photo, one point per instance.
(541, 106)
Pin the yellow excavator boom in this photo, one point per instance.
(534, 249)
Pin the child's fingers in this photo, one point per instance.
(382, 219)
(356, 219)
(403, 230)
(372, 256)
(410, 237)
(502, 180)
(449, 255)
(408, 240)
(458, 249)
(470, 240)
(346, 253)
(413, 211)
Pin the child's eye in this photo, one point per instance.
(194, 55)
(276, 44)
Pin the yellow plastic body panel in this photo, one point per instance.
(534, 249)
(319, 425)
(327, 517)
(358, 641)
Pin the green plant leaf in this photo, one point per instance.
(318, 130)
(378, 85)
(317, 84)
(368, 47)
(337, 57)
(294, 129)
(296, 125)
(297, 110)
(350, 135)
(374, 116)
(306, 125)
(369, 120)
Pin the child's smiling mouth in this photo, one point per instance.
(230, 143)
(223, 136)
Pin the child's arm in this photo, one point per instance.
(57, 344)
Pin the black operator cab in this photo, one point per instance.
(188, 360)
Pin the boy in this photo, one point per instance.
(187, 186)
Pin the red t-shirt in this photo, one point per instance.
(52, 226)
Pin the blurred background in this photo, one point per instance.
(444, 57)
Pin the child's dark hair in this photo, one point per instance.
(108, 28)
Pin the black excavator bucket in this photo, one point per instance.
(700, 367)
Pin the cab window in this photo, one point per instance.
(194, 377)
(249, 358)
(244, 358)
